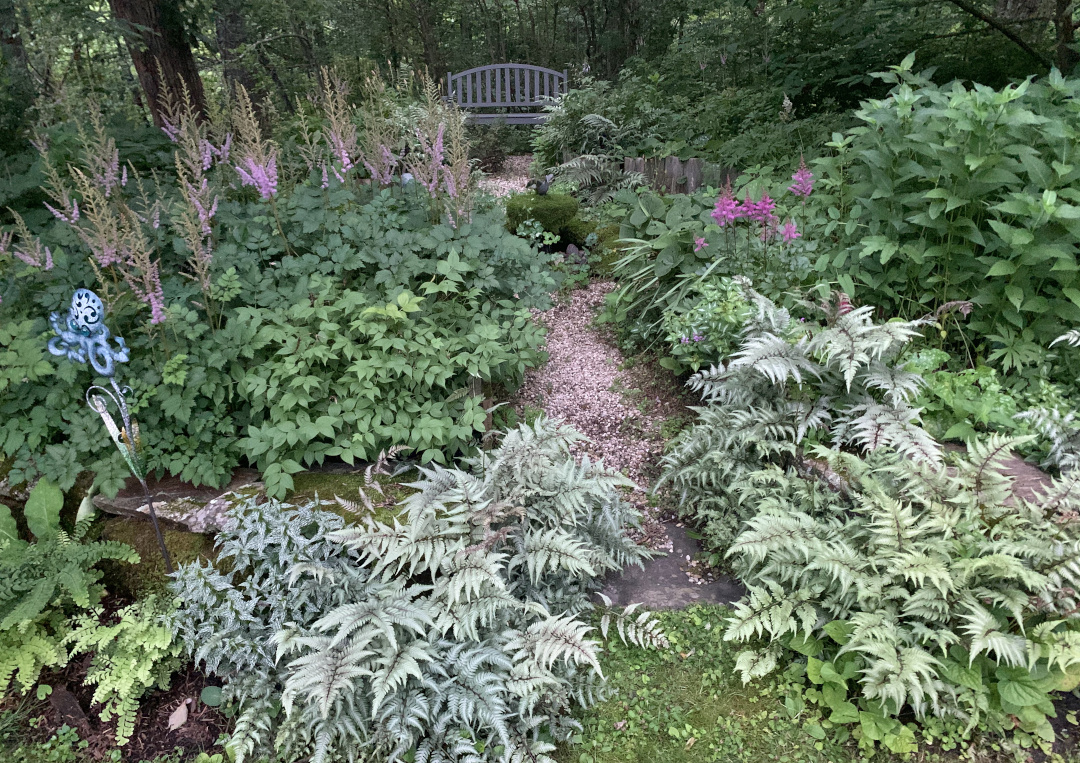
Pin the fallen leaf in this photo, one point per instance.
(690, 742)
(179, 715)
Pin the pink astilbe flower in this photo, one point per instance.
(804, 181)
(325, 178)
(70, 218)
(172, 132)
(760, 211)
(262, 175)
(727, 210)
(790, 231)
(699, 244)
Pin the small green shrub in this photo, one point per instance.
(132, 654)
(554, 211)
(43, 585)
(707, 330)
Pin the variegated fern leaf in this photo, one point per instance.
(453, 634)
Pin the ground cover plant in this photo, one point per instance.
(457, 632)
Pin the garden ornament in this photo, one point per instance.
(541, 186)
(82, 337)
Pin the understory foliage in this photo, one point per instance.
(913, 586)
(45, 585)
(948, 192)
(839, 381)
(280, 309)
(457, 633)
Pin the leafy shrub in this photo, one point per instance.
(456, 635)
(43, 585)
(554, 211)
(705, 332)
(927, 589)
(789, 383)
(132, 654)
(672, 243)
(206, 381)
(954, 192)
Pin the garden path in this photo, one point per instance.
(587, 384)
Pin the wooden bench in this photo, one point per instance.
(505, 86)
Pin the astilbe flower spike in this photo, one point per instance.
(260, 174)
(727, 210)
(790, 231)
(699, 244)
(804, 181)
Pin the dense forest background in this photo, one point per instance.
(819, 53)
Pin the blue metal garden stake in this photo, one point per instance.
(83, 337)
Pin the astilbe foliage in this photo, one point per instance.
(930, 588)
(456, 633)
(837, 380)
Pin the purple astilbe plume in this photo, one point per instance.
(325, 178)
(28, 249)
(804, 181)
(790, 231)
(70, 218)
(172, 132)
(123, 177)
(760, 211)
(262, 175)
(428, 169)
(206, 152)
(699, 244)
(727, 210)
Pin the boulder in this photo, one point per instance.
(180, 504)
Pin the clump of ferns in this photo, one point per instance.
(597, 177)
(839, 381)
(458, 632)
(1061, 429)
(931, 588)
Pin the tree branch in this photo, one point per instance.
(1013, 36)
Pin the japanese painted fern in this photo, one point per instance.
(454, 634)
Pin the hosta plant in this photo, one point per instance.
(458, 633)
(928, 591)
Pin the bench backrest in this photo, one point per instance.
(504, 86)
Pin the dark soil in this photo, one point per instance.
(71, 704)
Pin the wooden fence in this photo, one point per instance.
(674, 175)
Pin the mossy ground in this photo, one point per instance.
(307, 486)
(148, 576)
(686, 704)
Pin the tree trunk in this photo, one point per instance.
(161, 52)
(231, 31)
(12, 51)
(1067, 58)
(429, 38)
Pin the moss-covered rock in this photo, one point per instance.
(148, 576)
(554, 211)
(307, 486)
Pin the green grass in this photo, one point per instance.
(686, 705)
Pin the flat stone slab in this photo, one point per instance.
(664, 584)
(182, 505)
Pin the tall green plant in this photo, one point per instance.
(955, 192)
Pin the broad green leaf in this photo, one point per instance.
(1002, 268)
(8, 530)
(42, 510)
(1020, 693)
